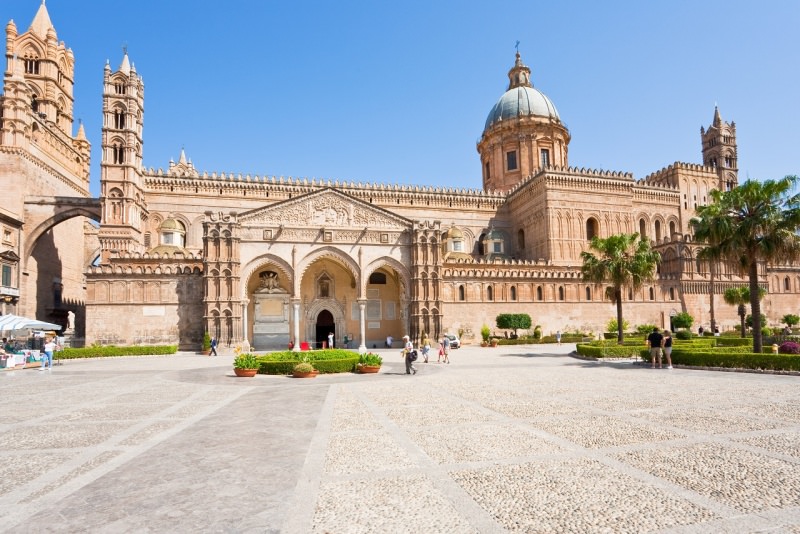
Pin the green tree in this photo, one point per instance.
(682, 320)
(756, 223)
(740, 297)
(791, 319)
(612, 326)
(485, 332)
(513, 321)
(708, 228)
(623, 260)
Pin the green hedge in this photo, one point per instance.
(596, 350)
(108, 351)
(744, 360)
(324, 361)
(734, 341)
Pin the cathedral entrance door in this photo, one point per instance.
(325, 325)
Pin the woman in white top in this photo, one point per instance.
(408, 353)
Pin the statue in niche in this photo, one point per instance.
(269, 283)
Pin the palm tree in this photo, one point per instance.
(707, 229)
(757, 223)
(738, 296)
(623, 260)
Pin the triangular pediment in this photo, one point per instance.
(327, 208)
(9, 255)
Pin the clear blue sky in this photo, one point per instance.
(398, 92)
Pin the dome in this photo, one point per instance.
(519, 102)
(171, 225)
(454, 233)
(495, 234)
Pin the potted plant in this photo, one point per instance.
(494, 342)
(206, 344)
(369, 363)
(303, 370)
(245, 364)
(485, 333)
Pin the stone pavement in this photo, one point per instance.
(514, 439)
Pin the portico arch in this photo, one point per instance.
(312, 313)
(49, 221)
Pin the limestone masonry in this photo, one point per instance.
(175, 252)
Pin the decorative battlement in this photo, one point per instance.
(675, 167)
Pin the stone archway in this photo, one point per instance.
(333, 319)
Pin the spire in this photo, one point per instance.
(717, 118)
(182, 159)
(125, 66)
(81, 132)
(519, 75)
(41, 22)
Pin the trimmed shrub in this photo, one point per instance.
(608, 351)
(683, 334)
(789, 347)
(744, 360)
(324, 361)
(110, 351)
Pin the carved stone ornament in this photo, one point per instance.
(269, 283)
(326, 208)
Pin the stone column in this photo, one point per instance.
(244, 320)
(296, 308)
(362, 325)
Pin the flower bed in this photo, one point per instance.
(324, 361)
(108, 351)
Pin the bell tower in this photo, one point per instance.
(121, 183)
(720, 152)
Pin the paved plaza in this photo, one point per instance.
(511, 439)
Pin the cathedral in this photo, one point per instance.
(165, 255)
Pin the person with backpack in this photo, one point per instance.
(213, 346)
(410, 355)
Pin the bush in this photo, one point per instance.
(645, 329)
(513, 321)
(744, 360)
(324, 361)
(611, 326)
(303, 367)
(608, 351)
(682, 320)
(206, 341)
(683, 334)
(370, 359)
(537, 332)
(791, 319)
(789, 347)
(112, 351)
(485, 332)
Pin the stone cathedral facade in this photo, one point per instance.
(180, 251)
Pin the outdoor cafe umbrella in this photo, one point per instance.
(16, 322)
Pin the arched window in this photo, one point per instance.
(671, 228)
(461, 295)
(489, 293)
(658, 231)
(652, 294)
(642, 229)
(539, 293)
(672, 293)
(786, 284)
(592, 228)
(588, 293)
(521, 240)
(513, 293)
(119, 119)
(377, 278)
(560, 292)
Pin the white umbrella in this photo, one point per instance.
(16, 322)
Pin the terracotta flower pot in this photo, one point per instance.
(298, 374)
(366, 369)
(245, 372)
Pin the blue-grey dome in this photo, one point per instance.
(521, 101)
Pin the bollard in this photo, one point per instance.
(774, 348)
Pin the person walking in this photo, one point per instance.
(389, 341)
(654, 342)
(213, 346)
(446, 349)
(330, 340)
(47, 358)
(666, 344)
(426, 347)
(410, 355)
(558, 337)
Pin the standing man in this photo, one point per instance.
(330, 340)
(654, 342)
(214, 346)
(558, 337)
(409, 355)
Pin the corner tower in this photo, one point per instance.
(720, 152)
(522, 135)
(36, 106)
(121, 192)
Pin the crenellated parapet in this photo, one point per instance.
(667, 176)
(282, 188)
